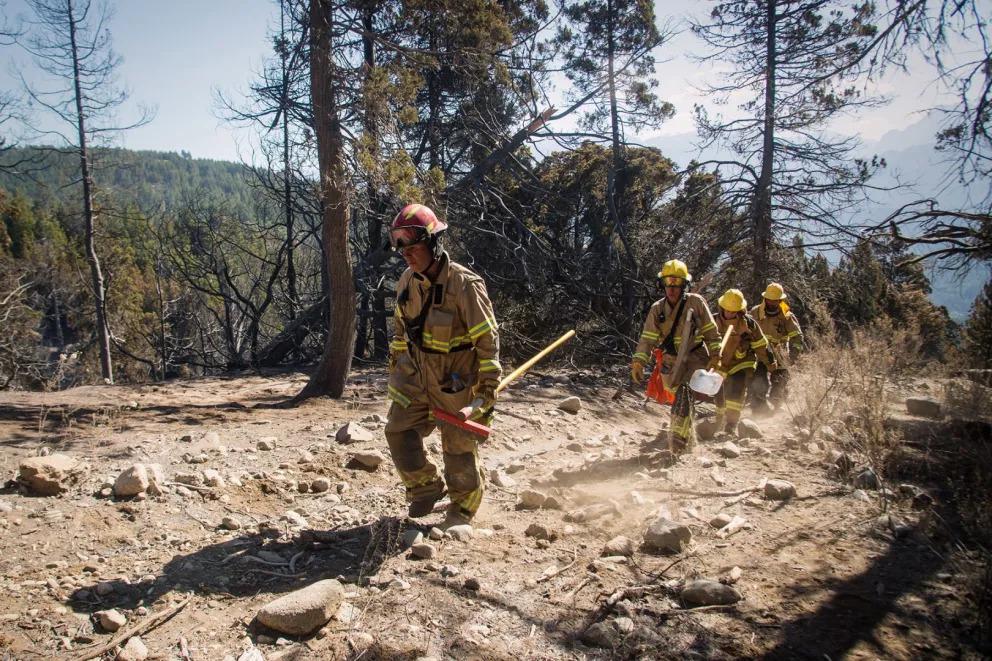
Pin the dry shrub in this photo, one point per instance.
(857, 382)
(967, 399)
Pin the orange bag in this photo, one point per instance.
(656, 389)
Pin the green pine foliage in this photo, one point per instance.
(978, 331)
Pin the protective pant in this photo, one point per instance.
(730, 401)
(683, 414)
(405, 432)
(779, 387)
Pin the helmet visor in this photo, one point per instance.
(404, 237)
(673, 281)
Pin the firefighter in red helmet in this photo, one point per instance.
(444, 354)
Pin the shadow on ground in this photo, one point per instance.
(249, 564)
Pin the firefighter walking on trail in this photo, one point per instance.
(785, 340)
(679, 317)
(740, 356)
(444, 354)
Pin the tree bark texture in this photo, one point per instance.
(762, 205)
(331, 373)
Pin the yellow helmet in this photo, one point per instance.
(675, 268)
(774, 292)
(733, 301)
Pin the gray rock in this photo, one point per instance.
(230, 523)
(553, 503)
(252, 654)
(570, 404)
(747, 428)
(501, 479)
(540, 531)
(49, 476)
(134, 650)
(619, 545)
(858, 494)
(841, 461)
(720, 520)
(436, 534)
(449, 571)
(412, 536)
(320, 485)
(423, 550)
(704, 592)
(529, 499)
(369, 461)
(353, 432)
(866, 479)
(132, 481)
(601, 634)
(925, 407)
(667, 536)
(461, 533)
(779, 490)
(729, 450)
(192, 479)
(267, 444)
(706, 429)
(111, 620)
(304, 611)
(212, 478)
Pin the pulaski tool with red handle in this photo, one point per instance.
(461, 420)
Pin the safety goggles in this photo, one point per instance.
(404, 237)
(672, 281)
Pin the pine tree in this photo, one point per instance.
(978, 331)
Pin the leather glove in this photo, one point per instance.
(714, 363)
(637, 371)
(773, 366)
(486, 391)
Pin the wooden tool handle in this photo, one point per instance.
(530, 363)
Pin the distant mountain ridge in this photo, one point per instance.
(149, 179)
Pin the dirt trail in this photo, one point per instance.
(818, 575)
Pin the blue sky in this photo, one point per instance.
(176, 54)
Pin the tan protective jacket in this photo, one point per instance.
(659, 321)
(782, 331)
(746, 346)
(458, 348)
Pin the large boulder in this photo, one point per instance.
(134, 650)
(304, 611)
(704, 592)
(529, 499)
(132, 481)
(747, 428)
(619, 545)
(925, 407)
(367, 461)
(779, 490)
(49, 476)
(353, 432)
(667, 536)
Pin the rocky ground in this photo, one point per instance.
(182, 520)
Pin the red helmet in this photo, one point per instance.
(413, 224)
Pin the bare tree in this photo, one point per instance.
(70, 41)
(796, 62)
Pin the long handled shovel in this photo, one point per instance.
(461, 418)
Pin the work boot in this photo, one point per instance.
(423, 504)
(456, 516)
